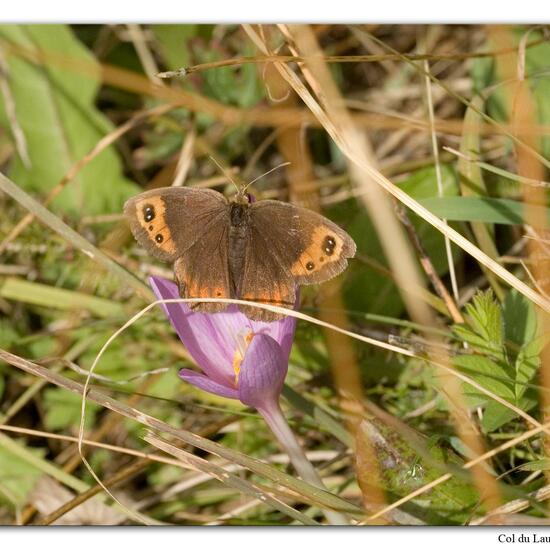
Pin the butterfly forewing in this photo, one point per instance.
(168, 221)
(189, 227)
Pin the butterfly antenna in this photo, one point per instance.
(266, 173)
(225, 173)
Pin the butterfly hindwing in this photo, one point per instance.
(308, 246)
(202, 270)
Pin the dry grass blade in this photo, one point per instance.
(346, 135)
(425, 488)
(227, 478)
(75, 239)
(100, 146)
(318, 496)
(356, 157)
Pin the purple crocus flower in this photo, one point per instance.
(239, 358)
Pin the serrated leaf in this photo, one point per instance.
(486, 372)
(495, 415)
(520, 318)
(503, 368)
(55, 109)
(486, 317)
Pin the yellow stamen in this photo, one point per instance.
(243, 341)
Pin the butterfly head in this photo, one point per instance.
(244, 198)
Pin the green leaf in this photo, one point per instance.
(63, 410)
(486, 319)
(505, 368)
(495, 415)
(527, 364)
(481, 209)
(13, 288)
(17, 477)
(520, 318)
(489, 374)
(55, 109)
(368, 289)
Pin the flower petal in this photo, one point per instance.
(263, 372)
(211, 348)
(211, 338)
(204, 383)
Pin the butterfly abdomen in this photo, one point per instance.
(238, 233)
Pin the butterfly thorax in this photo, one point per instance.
(239, 223)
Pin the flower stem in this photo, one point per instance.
(276, 421)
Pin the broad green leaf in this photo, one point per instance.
(495, 415)
(13, 288)
(55, 109)
(481, 209)
(368, 289)
(17, 477)
(63, 409)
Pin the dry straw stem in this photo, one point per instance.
(437, 164)
(511, 133)
(357, 157)
(515, 506)
(224, 476)
(100, 146)
(377, 58)
(209, 446)
(342, 358)
(258, 116)
(75, 239)
(294, 148)
(522, 109)
(390, 232)
(322, 498)
(397, 250)
(144, 53)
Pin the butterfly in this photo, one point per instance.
(238, 248)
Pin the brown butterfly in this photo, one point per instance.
(238, 248)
